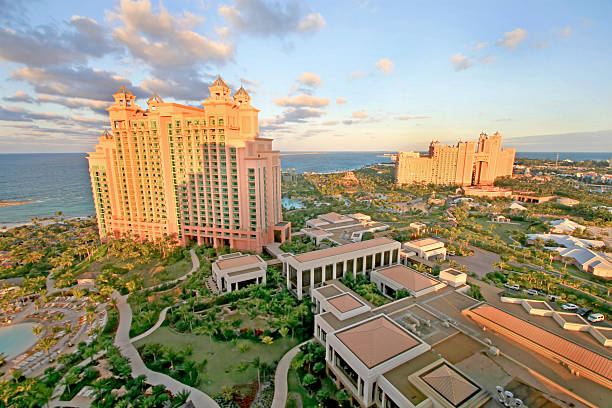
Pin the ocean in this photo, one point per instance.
(60, 182)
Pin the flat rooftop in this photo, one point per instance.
(453, 272)
(399, 376)
(577, 354)
(345, 303)
(450, 384)
(376, 341)
(538, 304)
(407, 277)
(238, 261)
(572, 318)
(424, 242)
(605, 331)
(343, 249)
(328, 291)
(245, 271)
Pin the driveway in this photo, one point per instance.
(480, 263)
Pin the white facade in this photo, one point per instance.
(453, 277)
(427, 248)
(235, 271)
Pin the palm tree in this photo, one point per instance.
(37, 330)
(46, 344)
(257, 363)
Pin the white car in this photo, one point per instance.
(512, 286)
(596, 317)
(569, 307)
(531, 292)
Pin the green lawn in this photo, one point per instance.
(502, 231)
(224, 360)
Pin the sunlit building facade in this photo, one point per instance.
(199, 174)
(468, 163)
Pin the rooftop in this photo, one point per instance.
(450, 384)
(245, 271)
(453, 272)
(329, 291)
(577, 354)
(376, 341)
(345, 303)
(407, 277)
(424, 242)
(327, 252)
(238, 261)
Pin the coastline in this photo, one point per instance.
(7, 203)
(5, 226)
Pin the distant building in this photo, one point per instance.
(531, 197)
(341, 229)
(468, 163)
(199, 174)
(565, 226)
(487, 192)
(453, 277)
(426, 248)
(349, 179)
(515, 206)
(566, 201)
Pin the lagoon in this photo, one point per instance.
(16, 339)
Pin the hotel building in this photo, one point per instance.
(468, 163)
(307, 271)
(200, 174)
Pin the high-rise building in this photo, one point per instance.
(468, 163)
(199, 174)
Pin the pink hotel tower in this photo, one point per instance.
(200, 174)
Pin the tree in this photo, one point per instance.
(37, 330)
(46, 344)
(257, 364)
(308, 381)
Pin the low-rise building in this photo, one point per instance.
(391, 279)
(565, 226)
(453, 277)
(427, 248)
(500, 219)
(566, 201)
(87, 279)
(418, 226)
(305, 272)
(531, 197)
(341, 229)
(516, 206)
(487, 192)
(236, 271)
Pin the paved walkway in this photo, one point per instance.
(196, 264)
(280, 377)
(123, 342)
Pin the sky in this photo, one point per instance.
(327, 75)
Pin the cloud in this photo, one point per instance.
(249, 82)
(302, 100)
(77, 103)
(360, 114)
(407, 117)
(16, 114)
(330, 123)
(460, 62)
(310, 79)
(77, 82)
(480, 46)
(291, 115)
(356, 74)
(566, 32)
(340, 100)
(312, 23)
(258, 18)
(513, 39)
(385, 66)
(20, 96)
(163, 40)
(488, 60)
(348, 122)
(73, 42)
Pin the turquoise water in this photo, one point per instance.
(16, 339)
(289, 204)
(60, 182)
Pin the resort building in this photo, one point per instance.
(391, 279)
(468, 163)
(341, 229)
(565, 226)
(378, 357)
(531, 197)
(200, 174)
(487, 192)
(307, 271)
(236, 271)
(453, 277)
(426, 248)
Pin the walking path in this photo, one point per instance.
(160, 321)
(127, 349)
(196, 264)
(280, 377)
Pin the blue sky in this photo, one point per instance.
(341, 75)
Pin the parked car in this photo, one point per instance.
(596, 317)
(570, 307)
(553, 298)
(513, 286)
(531, 292)
(584, 312)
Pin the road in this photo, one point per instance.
(280, 377)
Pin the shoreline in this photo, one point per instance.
(7, 203)
(5, 226)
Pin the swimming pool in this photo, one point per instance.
(289, 204)
(16, 339)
